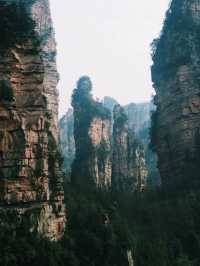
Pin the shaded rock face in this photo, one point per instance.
(139, 114)
(92, 164)
(175, 73)
(66, 140)
(139, 122)
(129, 171)
(30, 180)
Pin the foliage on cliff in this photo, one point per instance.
(16, 24)
(180, 27)
(6, 91)
(85, 110)
(120, 118)
(84, 104)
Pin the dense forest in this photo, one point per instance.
(161, 228)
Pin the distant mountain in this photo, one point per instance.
(139, 115)
(66, 139)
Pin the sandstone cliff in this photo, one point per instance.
(138, 114)
(175, 74)
(139, 122)
(92, 164)
(129, 166)
(30, 183)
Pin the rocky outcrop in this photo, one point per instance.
(139, 115)
(175, 74)
(92, 164)
(66, 140)
(136, 113)
(139, 120)
(129, 166)
(30, 180)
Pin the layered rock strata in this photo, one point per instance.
(92, 122)
(138, 114)
(30, 180)
(175, 74)
(129, 171)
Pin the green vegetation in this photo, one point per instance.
(6, 91)
(120, 118)
(103, 151)
(179, 39)
(85, 110)
(162, 228)
(15, 24)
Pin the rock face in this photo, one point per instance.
(66, 140)
(175, 73)
(139, 122)
(139, 115)
(136, 113)
(30, 181)
(129, 166)
(92, 164)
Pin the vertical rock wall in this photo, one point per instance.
(175, 73)
(129, 166)
(99, 133)
(92, 122)
(30, 181)
(66, 140)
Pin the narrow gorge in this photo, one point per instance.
(107, 184)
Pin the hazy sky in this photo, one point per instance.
(109, 40)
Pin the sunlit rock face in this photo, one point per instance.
(175, 73)
(129, 166)
(92, 122)
(99, 133)
(30, 180)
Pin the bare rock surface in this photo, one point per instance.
(29, 170)
(175, 73)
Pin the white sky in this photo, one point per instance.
(109, 40)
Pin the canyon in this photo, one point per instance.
(107, 203)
